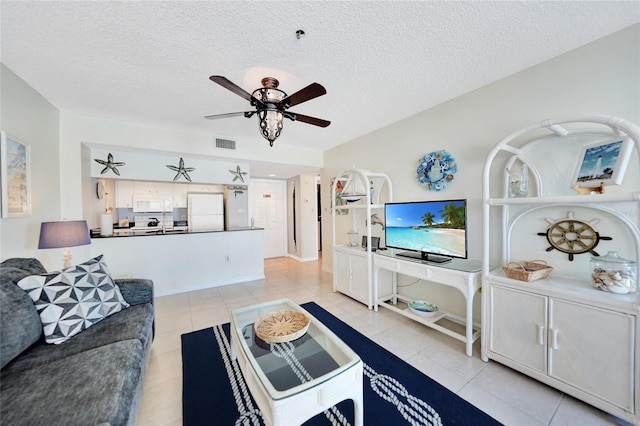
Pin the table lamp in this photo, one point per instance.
(67, 233)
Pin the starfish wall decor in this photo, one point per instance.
(237, 174)
(182, 170)
(110, 165)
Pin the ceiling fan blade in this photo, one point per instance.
(230, 114)
(229, 85)
(306, 119)
(311, 91)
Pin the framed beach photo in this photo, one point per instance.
(15, 163)
(603, 162)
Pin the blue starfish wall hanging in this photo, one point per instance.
(237, 174)
(182, 170)
(109, 165)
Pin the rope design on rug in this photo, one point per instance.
(248, 414)
(285, 351)
(417, 412)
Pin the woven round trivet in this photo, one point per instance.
(282, 326)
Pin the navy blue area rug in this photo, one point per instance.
(395, 393)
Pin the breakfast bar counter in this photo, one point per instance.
(182, 261)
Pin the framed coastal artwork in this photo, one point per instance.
(15, 163)
(603, 162)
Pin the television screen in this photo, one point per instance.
(432, 230)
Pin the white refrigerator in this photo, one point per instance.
(205, 212)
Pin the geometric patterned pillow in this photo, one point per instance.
(73, 299)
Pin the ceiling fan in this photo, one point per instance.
(272, 105)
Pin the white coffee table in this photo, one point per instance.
(292, 382)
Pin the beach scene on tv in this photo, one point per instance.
(433, 226)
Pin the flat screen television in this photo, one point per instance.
(435, 231)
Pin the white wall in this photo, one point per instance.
(29, 118)
(599, 78)
(305, 245)
(77, 128)
(308, 208)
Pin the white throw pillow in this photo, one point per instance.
(73, 299)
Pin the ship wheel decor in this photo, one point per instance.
(573, 236)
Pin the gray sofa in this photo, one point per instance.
(94, 378)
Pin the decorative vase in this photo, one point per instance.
(353, 239)
(519, 182)
(613, 273)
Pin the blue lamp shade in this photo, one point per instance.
(67, 233)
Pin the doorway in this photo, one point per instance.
(268, 208)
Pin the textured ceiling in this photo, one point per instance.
(380, 62)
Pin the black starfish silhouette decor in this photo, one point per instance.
(237, 174)
(109, 165)
(182, 170)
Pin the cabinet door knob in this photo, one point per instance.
(554, 339)
(541, 335)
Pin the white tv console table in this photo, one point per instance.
(465, 275)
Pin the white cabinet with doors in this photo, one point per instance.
(153, 188)
(180, 191)
(350, 271)
(125, 189)
(561, 330)
(203, 187)
(356, 196)
(583, 349)
(124, 194)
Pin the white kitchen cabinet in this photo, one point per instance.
(153, 188)
(180, 191)
(367, 192)
(124, 193)
(198, 187)
(560, 330)
(350, 274)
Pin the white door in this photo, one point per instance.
(267, 206)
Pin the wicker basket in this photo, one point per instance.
(530, 270)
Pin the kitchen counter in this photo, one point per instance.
(143, 232)
(183, 261)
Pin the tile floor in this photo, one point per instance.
(508, 396)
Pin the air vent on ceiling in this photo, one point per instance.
(225, 144)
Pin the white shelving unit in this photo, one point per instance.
(353, 265)
(560, 330)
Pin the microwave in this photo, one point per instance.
(144, 203)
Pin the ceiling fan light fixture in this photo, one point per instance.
(272, 104)
(270, 124)
(271, 117)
